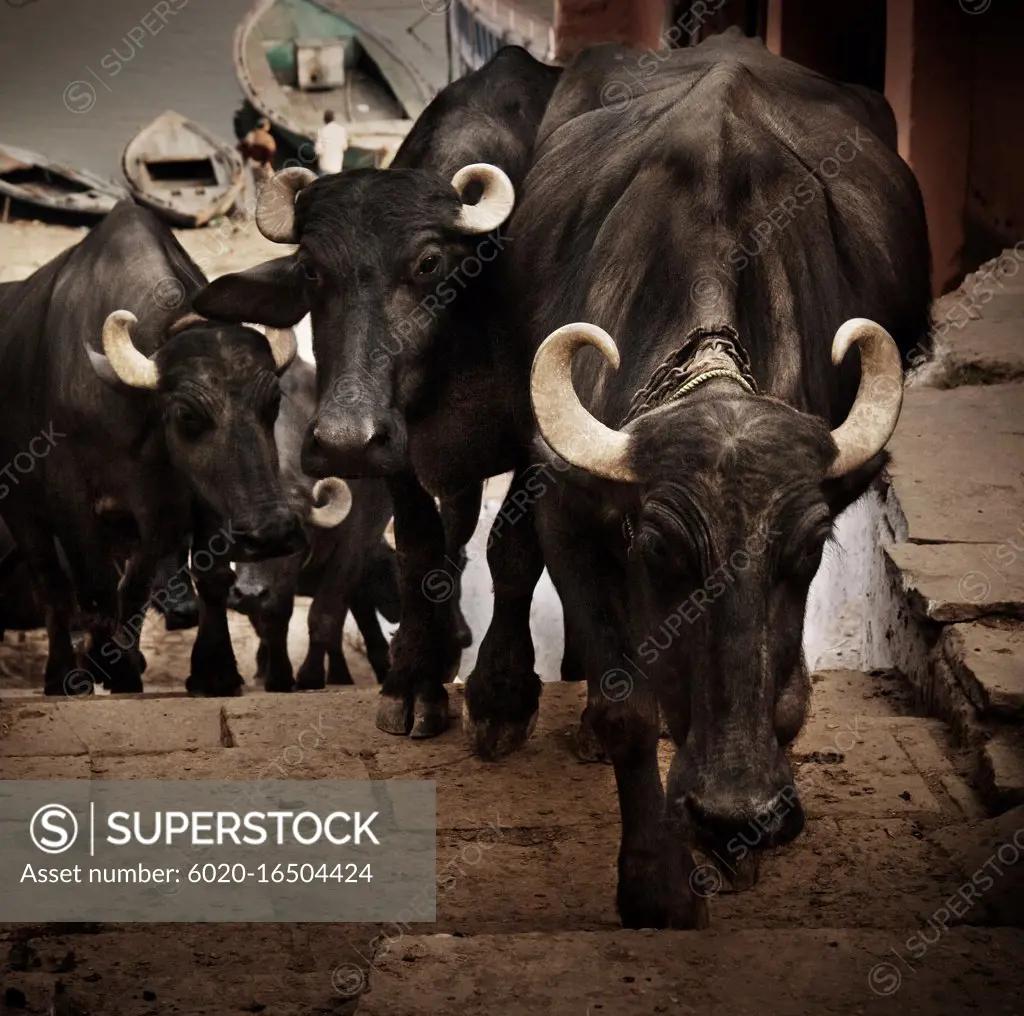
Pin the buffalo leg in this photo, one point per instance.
(572, 664)
(460, 515)
(327, 614)
(214, 669)
(174, 594)
(655, 864)
(337, 665)
(62, 675)
(273, 666)
(115, 635)
(503, 692)
(413, 697)
(365, 614)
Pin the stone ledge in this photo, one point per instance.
(643, 972)
(951, 582)
(1001, 768)
(989, 663)
(984, 352)
(956, 466)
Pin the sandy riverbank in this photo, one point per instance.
(229, 246)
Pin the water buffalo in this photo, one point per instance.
(713, 250)
(347, 567)
(397, 268)
(119, 456)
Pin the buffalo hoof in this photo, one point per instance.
(645, 901)
(463, 636)
(200, 687)
(78, 682)
(125, 676)
(278, 683)
(337, 669)
(429, 716)
(492, 740)
(310, 678)
(587, 744)
(126, 687)
(394, 715)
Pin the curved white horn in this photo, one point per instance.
(568, 428)
(131, 366)
(283, 346)
(337, 506)
(275, 209)
(496, 201)
(876, 410)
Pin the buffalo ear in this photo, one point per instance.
(270, 294)
(842, 491)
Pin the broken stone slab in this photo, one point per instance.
(989, 663)
(958, 581)
(1004, 304)
(134, 725)
(637, 973)
(984, 352)
(1001, 768)
(956, 467)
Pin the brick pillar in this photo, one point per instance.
(582, 23)
(928, 79)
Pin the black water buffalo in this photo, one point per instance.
(737, 227)
(348, 566)
(118, 456)
(397, 268)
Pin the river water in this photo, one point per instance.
(78, 78)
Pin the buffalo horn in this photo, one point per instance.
(275, 209)
(569, 429)
(337, 505)
(872, 419)
(496, 201)
(131, 367)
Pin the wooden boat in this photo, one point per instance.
(182, 171)
(295, 59)
(38, 182)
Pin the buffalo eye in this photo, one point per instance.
(311, 272)
(190, 421)
(428, 265)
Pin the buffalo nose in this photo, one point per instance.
(758, 822)
(353, 446)
(251, 591)
(276, 534)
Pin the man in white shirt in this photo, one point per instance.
(331, 142)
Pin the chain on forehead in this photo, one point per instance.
(677, 375)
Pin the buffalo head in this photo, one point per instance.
(215, 394)
(381, 257)
(729, 498)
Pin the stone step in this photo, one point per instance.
(1001, 768)
(956, 468)
(989, 663)
(622, 973)
(188, 969)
